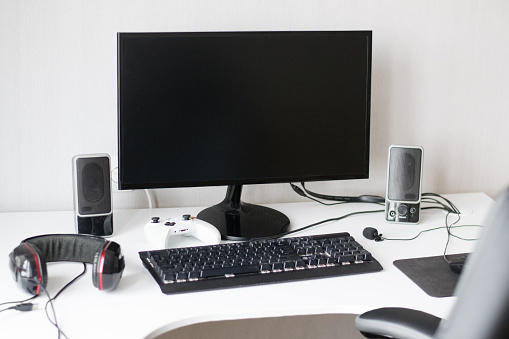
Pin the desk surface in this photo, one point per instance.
(138, 309)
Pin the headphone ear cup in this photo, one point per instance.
(108, 266)
(28, 266)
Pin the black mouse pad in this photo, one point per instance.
(431, 274)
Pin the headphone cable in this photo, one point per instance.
(24, 306)
(50, 301)
(16, 302)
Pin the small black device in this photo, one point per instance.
(179, 270)
(403, 201)
(235, 108)
(92, 194)
(457, 265)
(371, 233)
(28, 260)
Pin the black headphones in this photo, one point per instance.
(28, 260)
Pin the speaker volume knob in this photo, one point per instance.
(403, 209)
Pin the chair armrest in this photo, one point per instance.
(400, 323)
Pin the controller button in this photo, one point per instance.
(155, 220)
(169, 223)
(186, 217)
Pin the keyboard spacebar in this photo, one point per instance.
(225, 271)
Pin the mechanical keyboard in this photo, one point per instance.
(189, 269)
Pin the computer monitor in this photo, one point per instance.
(235, 108)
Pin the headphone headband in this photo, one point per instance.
(67, 247)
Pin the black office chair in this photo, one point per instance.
(482, 307)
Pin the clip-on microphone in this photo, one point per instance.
(371, 233)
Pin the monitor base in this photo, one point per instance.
(237, 220)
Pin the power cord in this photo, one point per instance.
(148, 193)
(446, 204)
(432, 198)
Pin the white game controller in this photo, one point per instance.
(186, 231)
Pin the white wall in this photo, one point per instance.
(440, 80)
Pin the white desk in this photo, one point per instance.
(138, 309)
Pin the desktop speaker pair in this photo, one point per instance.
(92, 190)
(404, 182)
(93, 213)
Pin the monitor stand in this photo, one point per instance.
(237, 220)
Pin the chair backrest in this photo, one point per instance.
(482, 307)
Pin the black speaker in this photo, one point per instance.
(403, 200)
(92, 194)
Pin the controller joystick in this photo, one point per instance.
(186, 231)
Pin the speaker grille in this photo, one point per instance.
(404, 174)
(92, 182)
(93, 185)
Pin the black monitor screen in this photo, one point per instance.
(199, 109)
(235, 108)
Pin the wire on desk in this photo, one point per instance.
(50, 301)
(23, 306)
(437, 228)
(17, 302)
(304, 192)
(440, 202)
(54, 322)
(317, 223)
(435, 198)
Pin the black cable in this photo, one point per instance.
(434, 229)
(316, 224)
(72, 281)
(432, 198)
(447, 226)
(19, 302)
(50, 301)
(304, 192)
(329, 220)
(23, 306)
(425, 197)
(448, 206)
(300, 192)
(54, 323)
